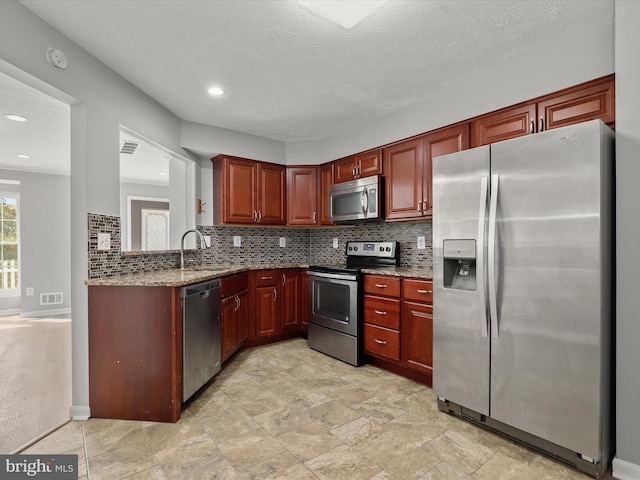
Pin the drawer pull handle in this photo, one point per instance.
(380, 342)
(425, 291)
(266, 278)
(380, 312)
(381, 285)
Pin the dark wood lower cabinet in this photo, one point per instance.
(417, 336)
(135, 353)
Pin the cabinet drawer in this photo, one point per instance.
(267, 277)
(384, 312)
(382, 285)
(233, 284)
(420, 290)
(382, 341)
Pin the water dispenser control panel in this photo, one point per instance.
(462, 249)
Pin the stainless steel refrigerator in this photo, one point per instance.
(523, 288)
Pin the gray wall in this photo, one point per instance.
(627, 462)
(45, 233)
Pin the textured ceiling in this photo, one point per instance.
(293, 76)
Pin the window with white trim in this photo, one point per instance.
(9, 242)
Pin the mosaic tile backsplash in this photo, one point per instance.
(259, 245)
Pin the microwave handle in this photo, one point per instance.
(365, 202)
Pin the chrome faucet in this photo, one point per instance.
(203, 245)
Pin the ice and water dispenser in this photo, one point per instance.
(459, 264)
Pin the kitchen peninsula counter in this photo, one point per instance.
(179, 278)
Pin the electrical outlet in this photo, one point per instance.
(421, 244)
(335, 242)
(207, 241)
(29, 291)
(283, 241)
(237, 241)
(104, 241)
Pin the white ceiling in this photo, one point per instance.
(293, 76)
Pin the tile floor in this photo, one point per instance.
(35, 378)
(287, 412)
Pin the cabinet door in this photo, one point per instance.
(267, 311)
(272, 205)
(504, 124)
(369, 163)
(417, 336)
(290, 299)
(228, 332)
(344, 169)
(302, 197)
(325, 173)
(442, 142)
(239, 190)
(403, 170)
(242, 317)
(586, 103)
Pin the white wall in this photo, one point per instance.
(128, 189)
(626, 465)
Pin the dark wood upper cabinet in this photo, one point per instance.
(503, 125)
(582, 104)
(361, 165)
(249, 191)
(302, 195)
(403, 171)
(587, 101)
(272, 191)
(407, 170)
(325, 180)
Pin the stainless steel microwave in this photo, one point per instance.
(357, 200)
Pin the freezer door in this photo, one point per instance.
(551, 258)
(460, 336)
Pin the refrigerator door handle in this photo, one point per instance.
(482, 215)
(493, 300)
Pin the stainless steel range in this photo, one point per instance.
(335, 292)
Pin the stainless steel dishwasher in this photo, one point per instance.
(201, 343)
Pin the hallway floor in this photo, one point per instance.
(35, 378)
(285, 411)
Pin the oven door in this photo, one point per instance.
(334, 300)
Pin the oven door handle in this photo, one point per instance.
(332, 276)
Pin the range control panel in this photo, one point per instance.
(372, 249)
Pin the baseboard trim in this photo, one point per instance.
(46, 313)
(79, 412)
(623, 470)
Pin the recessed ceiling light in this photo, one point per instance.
(15, 118)
(347, 13)
(215, 91)
(21, 155)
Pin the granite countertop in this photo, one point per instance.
(179, 278)
(413, 272)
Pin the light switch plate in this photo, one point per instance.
(104, 241)
(421, 244)
(29, 291)
(283, 241)
(237, 241)
(335, 242)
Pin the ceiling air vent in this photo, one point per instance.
(129, 147)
